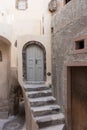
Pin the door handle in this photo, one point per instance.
(35, 61)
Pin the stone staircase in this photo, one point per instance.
(46, 112)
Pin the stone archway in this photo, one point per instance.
(4, 76)
(24, 57)
(4, 67)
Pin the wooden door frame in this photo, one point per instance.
(24, 58)
(67, 90)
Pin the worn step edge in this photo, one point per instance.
(55, 127)
(42, 101)
(34, 94)
(36, 87)
(46, 110)
(50, 120)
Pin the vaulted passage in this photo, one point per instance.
(4, 69)
(79, 98)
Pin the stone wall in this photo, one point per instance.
(69, 25)
(4, 70)
(30, 121)
(14, 92)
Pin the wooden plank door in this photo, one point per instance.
(39, 69)
(34, 63)
(79, 98)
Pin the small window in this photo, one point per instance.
(66, 1)
(52, 29)
(79, 44)
(0, 56)
(15, 44)
(21, 4)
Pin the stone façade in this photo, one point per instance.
(69, 25)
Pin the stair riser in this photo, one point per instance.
(50, 123)
(4, 107)
(54, 127)
(44, 108)
(42, 113)
(37, 89)
(39, 95)
(42, 103)
(4, 110)
(3, 115)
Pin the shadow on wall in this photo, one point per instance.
(15, 93)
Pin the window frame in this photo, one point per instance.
(17, 5)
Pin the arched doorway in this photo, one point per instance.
(4, 67)
(34, 62)
(4, 76)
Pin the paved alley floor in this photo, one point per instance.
(17, 123)
(14, 122)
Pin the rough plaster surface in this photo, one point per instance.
(4, 65)
(68, 24)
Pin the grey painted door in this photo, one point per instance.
(34, 63)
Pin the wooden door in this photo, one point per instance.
(34, 63)
(79, 98)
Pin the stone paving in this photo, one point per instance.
(14, 122)
(2, 122)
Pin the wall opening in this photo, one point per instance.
(21, 4)
(0, 56)
(5, 76)
(39, 45)
(66, 1)
(79, 45)
(52, 30)
(4, 69)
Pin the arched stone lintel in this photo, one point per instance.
(5, 40)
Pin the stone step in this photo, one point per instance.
(3, 114)
(36, 87)
(46, 113)
(4, 109)
(55, 127)
(49, 120)
(42, 101)
(45, 110)
(34, 94)
(4, 106)
(3, 103)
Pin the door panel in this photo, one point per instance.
(34, 62)
(39, 64)
(79, 98)
(30, 59)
